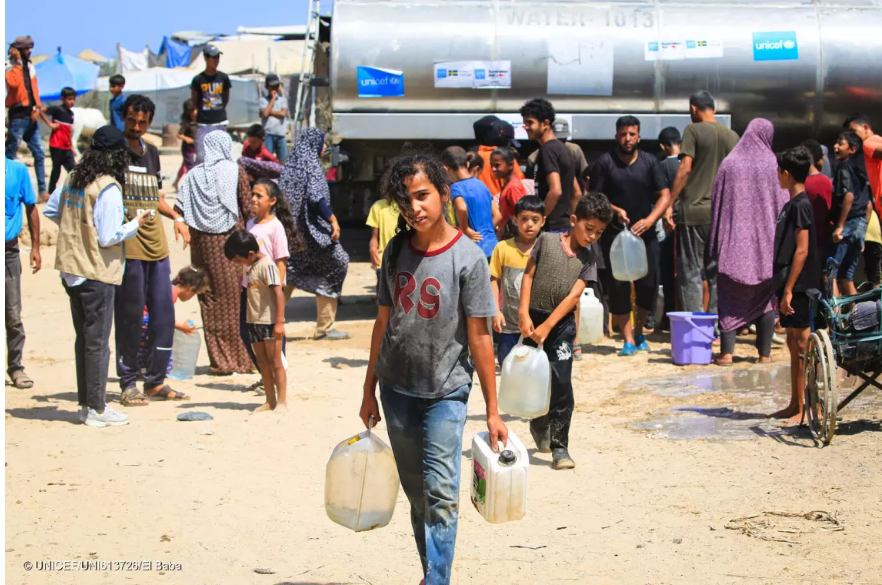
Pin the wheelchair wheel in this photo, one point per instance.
(832, 385)
(818, 392)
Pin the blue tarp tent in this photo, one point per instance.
(178, 54)
(60, 71)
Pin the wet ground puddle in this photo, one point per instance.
(758, 391)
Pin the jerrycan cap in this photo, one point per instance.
(507, 457)
(522, 352)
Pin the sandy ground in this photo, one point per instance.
(218, 500)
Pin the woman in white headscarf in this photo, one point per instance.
(215, 199)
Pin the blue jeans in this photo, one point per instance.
(23, 128)
(848, 251)
(277, 145)
(505, 344)
(426, 437)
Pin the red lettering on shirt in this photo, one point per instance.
(405, 285)
(430, 302)
(430, 295)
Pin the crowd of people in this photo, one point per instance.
(474, 250)
(690, 207)
(117, 269)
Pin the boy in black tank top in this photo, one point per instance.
(560, 267)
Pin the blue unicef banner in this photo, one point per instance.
(374, 82)
(775, 46)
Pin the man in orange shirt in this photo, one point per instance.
(23, 103)
(860, 125)
(492, 133)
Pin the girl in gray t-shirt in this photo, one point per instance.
(434, 300)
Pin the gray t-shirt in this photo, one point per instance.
(271, 124)
(425, 351)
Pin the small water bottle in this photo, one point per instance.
(185, 352)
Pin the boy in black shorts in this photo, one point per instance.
(265, 315)
(797, 268)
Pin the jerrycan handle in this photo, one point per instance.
(372, 422)
(521, 342)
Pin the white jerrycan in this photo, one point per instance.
(525, 387)
(590, 318)
(361, 483)
(185, 352)
(499, 480)
(628, 257)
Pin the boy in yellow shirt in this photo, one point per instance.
(507, 266)
(383, 219)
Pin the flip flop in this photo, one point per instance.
(723, 364)
(132, 397)
(164, 392)
(21, 380)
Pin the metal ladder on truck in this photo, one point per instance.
(305, 92)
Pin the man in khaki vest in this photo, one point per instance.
(88, 208)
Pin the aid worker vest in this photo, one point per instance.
(78, 250)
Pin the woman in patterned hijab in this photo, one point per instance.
(215, 199)
(318, 264)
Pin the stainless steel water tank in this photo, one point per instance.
(838, 69)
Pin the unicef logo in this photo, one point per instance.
(775, 46)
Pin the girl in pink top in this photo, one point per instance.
(273, 226)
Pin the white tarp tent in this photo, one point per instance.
(169, 88)
(258, 56)
(153, 79)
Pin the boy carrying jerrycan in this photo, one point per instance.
(560, 266)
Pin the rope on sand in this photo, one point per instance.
(765, 527)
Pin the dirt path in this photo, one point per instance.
(243, 492)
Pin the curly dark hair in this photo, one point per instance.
(99, 163)
(594, 205)
(395, 190)
(139, 103)
(282, 211)
(539, 109)
(192, 277)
